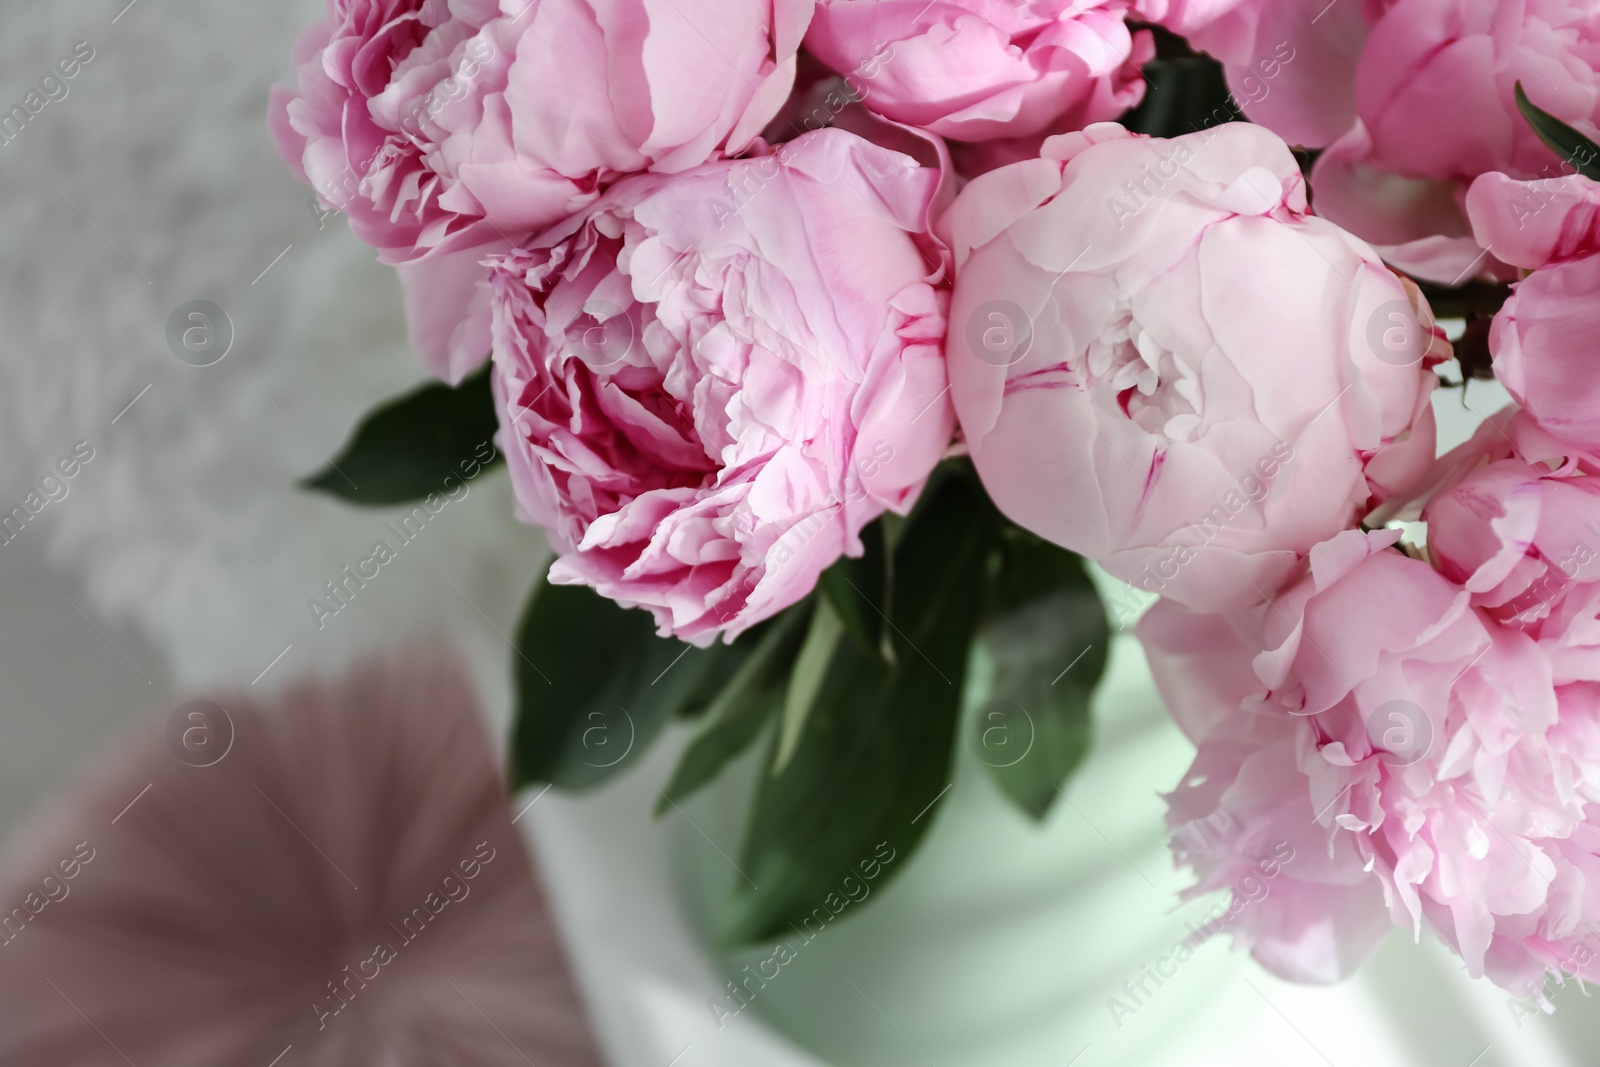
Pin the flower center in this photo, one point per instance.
(1153, 386)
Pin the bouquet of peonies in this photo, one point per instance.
(828, 339)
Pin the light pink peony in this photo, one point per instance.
(1290, 64)
(976, 70)
(1413, 99)
(1508, 433)
(1426, 763)
(1161, 361)
(443, 129)
(1516, 536)
(1543, 339)
(710, 382)
(1434, 98)
(1194, 19)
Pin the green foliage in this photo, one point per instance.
(415, 445)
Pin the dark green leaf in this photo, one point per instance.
(859, 588)
(1184, 94)
(1475, 299)
(747, 703)
(594, 685)
(1573, 147)
(416, 445)
(723, 662)
(874, 756)
(1047, 636)
(805, 679)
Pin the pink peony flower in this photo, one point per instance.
(329, 878)
(1422, 760)
(444, 128)
(1508, 433)
(1161, 361)
(1290, 64)
(977, 70)
(1543, 338)
(1516, 535)
(1413, 99)
(710, 382)
(1434, 99)
(1192, 18)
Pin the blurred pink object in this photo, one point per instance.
(710, 382)
(343, 886)
(974, 70)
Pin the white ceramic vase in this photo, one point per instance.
(1002, 942)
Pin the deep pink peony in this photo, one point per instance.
(1161, 361)
(710, 382)
(977, 70)
(445, 128)
(1426, 763)
(1543, 339)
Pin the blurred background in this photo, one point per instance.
(179, 559)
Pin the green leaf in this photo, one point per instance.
(806, 679)
(723, 662)
(1474, 299)
(1185, 94)
(1572, 146)
(414, 445)
(594, 685)
(874, 756)
(1047, 636)
(747, 702)
(859, 590)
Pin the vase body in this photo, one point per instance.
(1002, 942)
